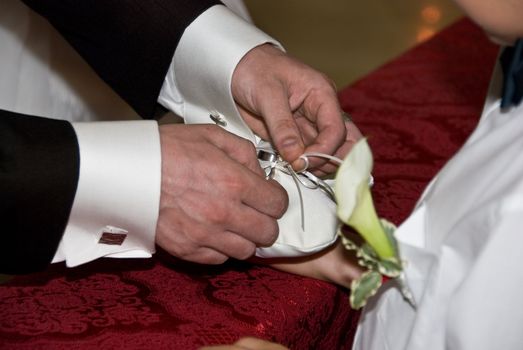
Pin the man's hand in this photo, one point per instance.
(285, 101)
(215, 201)
(353, 134)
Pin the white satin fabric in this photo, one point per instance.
(320, 222)
(463, 248)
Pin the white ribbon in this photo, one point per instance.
(301, 177)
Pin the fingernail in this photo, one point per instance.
(290, 142)
(291, 148)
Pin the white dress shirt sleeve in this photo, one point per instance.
(198, 83)
(116, 206)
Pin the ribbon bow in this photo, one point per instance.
(301, 178)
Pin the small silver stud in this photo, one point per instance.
(218, 119)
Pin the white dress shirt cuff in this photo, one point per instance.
(116, 206)
(204, 62)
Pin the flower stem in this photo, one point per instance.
(365, 220)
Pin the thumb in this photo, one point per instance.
(285, 133)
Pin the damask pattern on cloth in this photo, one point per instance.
(134, 304)
(416, 111)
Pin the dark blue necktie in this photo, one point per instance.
(512, 64)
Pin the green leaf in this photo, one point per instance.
(347, 242)
(390, 267)
(389, 228)
(363, 288)
(367, 257)
(369, 252)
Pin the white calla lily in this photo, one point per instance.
(352, 175)
(355, 205)
(356, 209)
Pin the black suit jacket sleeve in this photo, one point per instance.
(129, 43)
(39, 164)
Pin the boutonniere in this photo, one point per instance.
(379, 253)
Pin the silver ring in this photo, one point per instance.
(306, 160)
(267, 156)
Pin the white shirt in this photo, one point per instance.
(117, 192)
(463, 246)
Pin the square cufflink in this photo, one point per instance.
(112, 236)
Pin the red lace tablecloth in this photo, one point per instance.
(416, 112)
